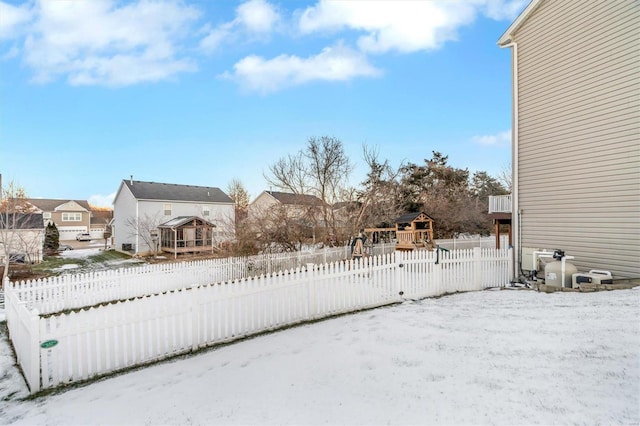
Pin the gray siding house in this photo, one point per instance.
(141, 207)
(576, 131)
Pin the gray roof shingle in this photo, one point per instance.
(296, 199)
(21, 221)
(410, 217)
(49, 205)
(173, 192)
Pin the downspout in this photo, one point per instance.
(137, 224)
(515, 208)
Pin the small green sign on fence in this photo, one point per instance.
(48, 344)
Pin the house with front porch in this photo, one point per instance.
(147, 213)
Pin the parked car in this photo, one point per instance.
(83, 236)
(64, 247)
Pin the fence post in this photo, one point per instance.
(400, 269)
(195, 315)
(477, 268)
(511, 273)
(310, 298)
(33, 369)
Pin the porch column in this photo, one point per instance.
(175, 243)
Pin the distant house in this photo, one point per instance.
(71, 217)
(273, 211)
(100, 222)
(576, 132)
(21, 237)
(294, 204)
(141, 207)
(302, 209)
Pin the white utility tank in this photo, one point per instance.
(553, 271)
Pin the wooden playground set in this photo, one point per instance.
(412, 231)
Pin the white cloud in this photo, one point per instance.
(13, 20)
(336, 63)
(13, 52)
(100, 200)
(99, 42)
(215, 37)
(503, 10)
(498, 139)
(257, 16)
(402, 25)
(254, 18)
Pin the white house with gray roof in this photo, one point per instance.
(140, 207)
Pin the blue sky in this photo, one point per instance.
(203, 92)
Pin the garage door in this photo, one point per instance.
(70, 232)
(97, 233)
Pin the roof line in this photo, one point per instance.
(506, 38)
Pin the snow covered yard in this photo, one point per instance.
(491, 357)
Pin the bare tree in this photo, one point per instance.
(289, 174)
(378, 200)
(30, 242)
(240, 197)
(329, 168)
(145, 228)
(14, 214)
(505, 176)
(321, 169)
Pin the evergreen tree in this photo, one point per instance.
(51, 238)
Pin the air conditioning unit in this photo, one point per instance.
(594, 276)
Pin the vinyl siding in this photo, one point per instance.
(579, 132)
(124, 208)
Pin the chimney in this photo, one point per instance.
(131, 180)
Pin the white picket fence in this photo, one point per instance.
(71, 346)
(472, 242)
(74, 291)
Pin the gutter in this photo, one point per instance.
(137, 225)
(515, 209)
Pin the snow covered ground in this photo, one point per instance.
(82, 254)
(492, 357)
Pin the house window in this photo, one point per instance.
(205, 212)
(167, 209)
(46, 215)
(72, 217)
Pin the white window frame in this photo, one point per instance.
(46, 215)
(166, 209)
(206, 212)
(72, 217)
